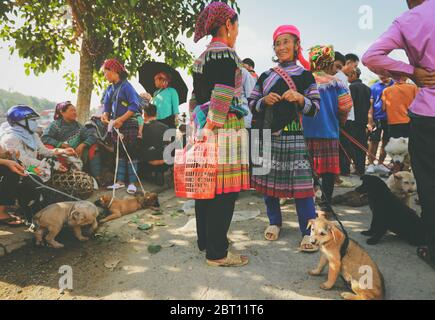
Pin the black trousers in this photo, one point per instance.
(22, 189)
(422, 151)
(8, 186)
(328, 182)
(348, 147)
(213, 220)
(360, 134)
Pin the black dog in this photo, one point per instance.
(390, 214)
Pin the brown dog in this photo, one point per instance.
(128, 205)
(54, 217)
(356, 267)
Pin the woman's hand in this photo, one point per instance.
(62, 169)
(67, 151)
(424, 78)
(146, 96)
(105, 118)
(13, 167)
(65, 146)
(272, 99)
(118, 123)
(294, 96)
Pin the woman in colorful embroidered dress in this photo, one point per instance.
(121, 104)
(322, 132)
(216, 106)
(66, 132)
(277, 107)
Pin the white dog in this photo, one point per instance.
(397, 149)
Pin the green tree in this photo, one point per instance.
(43, 31)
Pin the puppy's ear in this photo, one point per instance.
(398, 176)
(336, 233)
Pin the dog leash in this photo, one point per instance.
(119, 139)
(359, 145)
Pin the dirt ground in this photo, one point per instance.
(117, 264)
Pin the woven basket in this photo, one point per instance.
(195, 171)
(75, 183)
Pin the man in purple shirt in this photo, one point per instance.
(414, 32)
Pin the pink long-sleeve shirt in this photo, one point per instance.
(413, 32)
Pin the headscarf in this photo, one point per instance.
(289, 29)
(213, 16)
(59, 108)
(23, 134)
(321, 57)
(114, 65)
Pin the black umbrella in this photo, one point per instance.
(149, 70)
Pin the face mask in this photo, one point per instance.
(33, 125)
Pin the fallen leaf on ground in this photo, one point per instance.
(154, 249)
(144, 227)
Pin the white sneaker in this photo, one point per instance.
(371, 169)
(382, 169)
(131, 189)
(116, 186)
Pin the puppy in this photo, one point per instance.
(352, 199)
(403, 186)
(54, 217)
(397, 149)
(128, 205)
(357, 268)
(390, 214)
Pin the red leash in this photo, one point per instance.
(359, 145)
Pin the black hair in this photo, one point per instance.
(352, 57)
(123, 75)
(249, 62)
(340, 57)
(358, 72)
(150, 110)
(233, 20)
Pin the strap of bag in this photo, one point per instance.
(288, 80)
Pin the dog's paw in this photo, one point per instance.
(347, 296)
(366, 233)
(326, 286)
(314, 273)
(56, 245)
(372, 242)
(83, 239)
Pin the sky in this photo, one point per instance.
(335, 22)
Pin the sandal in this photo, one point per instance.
(232, 260)
(7, 222)
(307, 246)
(116, 186)
(272, 233)
(423, 254)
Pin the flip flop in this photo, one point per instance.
(423, 254)
(6, 222)
(232, 260)
(306, 241)
(274, 231)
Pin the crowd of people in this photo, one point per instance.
(311, 107)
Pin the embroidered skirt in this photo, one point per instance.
(289, 171)
(325, 155)
(233, 156)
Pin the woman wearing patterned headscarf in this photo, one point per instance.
(322, 132)
(66, 132)
(121, 104)
(216, 106)
(281, 95)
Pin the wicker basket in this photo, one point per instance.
(195, 171)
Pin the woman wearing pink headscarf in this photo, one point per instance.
(281, 96)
